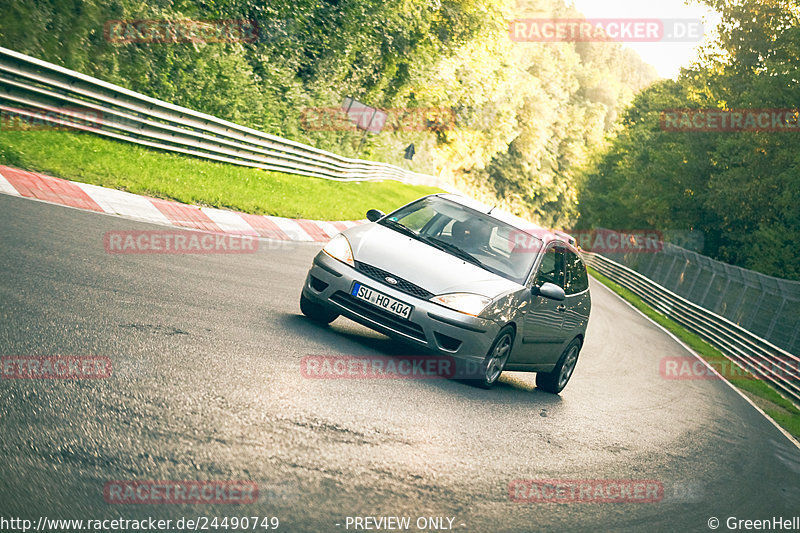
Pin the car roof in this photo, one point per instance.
(544, 234)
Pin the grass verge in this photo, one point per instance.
(91, 159)
(776, 406)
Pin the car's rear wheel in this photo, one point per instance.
(316, 312)
(497, 357)
(556, 380)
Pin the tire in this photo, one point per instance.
(496, 358)
(555, 381)
(316, 312)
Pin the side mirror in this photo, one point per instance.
(375, 214)
(549, 290)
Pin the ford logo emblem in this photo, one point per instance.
(390, 280)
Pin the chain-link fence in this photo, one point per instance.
(764, 305)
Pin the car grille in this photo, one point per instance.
(378, 315)
(402, 285)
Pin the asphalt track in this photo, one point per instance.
(206, 384)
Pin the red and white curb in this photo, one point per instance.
(165, 212)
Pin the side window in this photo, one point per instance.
(576, 279)
(551, 268)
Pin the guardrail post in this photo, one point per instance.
(756, 310)
(694, 282)
(650, 266)
(794, 339)
(680, 277)
(669, 270)
(774, 320)
(745, 286)
(702, 300)
(724, 293)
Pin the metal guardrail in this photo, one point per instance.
(775, 366)
(764, 305)
(33, 88)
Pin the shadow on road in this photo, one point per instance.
(512, 386)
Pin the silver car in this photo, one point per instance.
(463, 279)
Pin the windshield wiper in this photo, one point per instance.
(398, 226)
(455, 250)
(433, 241)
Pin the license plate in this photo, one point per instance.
(362, 292)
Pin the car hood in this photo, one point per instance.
(422, 264)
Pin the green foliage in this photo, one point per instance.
(553, 103)
(524, 116)
(741, 189)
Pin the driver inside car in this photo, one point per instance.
(471, 235)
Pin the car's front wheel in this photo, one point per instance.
(556, 380)
(497, 357)
(316, 312)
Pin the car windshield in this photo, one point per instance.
(468, 234)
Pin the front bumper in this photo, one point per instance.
(430, 325)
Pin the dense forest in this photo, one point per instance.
(519, 117)
(741, 189)
(560, 132)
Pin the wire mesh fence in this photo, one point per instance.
(764, 305)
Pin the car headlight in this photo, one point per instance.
(463, 302)
(339, 249)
